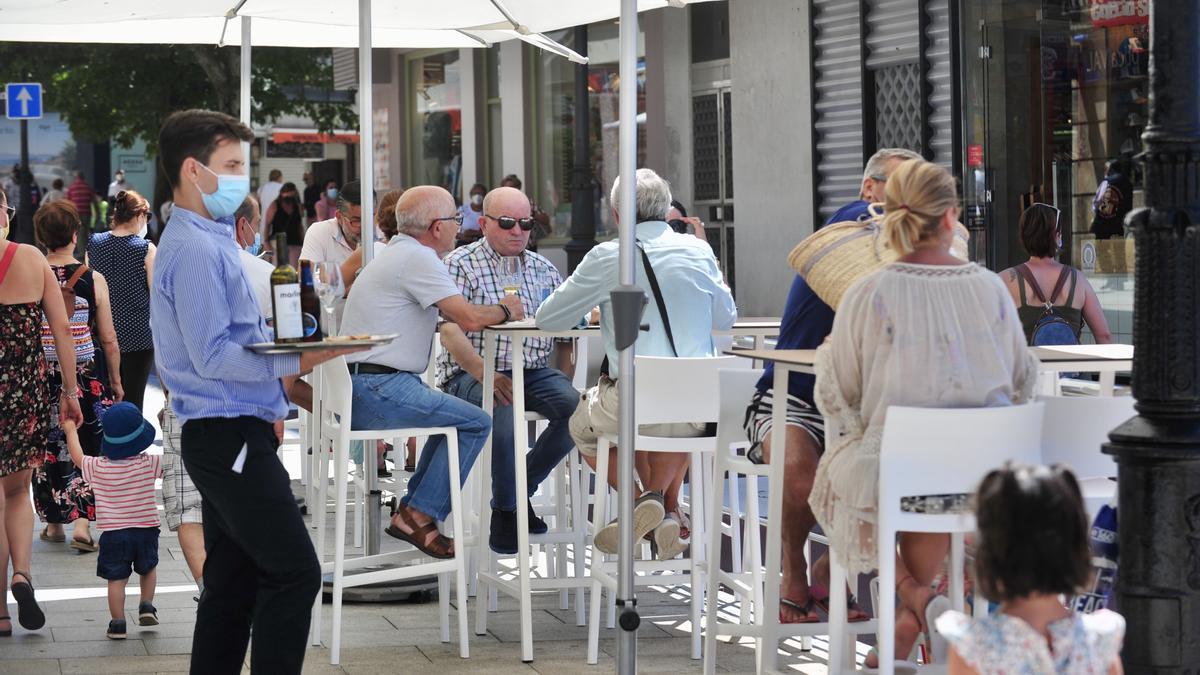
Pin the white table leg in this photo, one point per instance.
(769, 642)
(520, 448)
(1108, 383)
(484, 560)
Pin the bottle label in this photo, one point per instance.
(289, 320)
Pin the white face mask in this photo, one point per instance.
(145, 228)
(477, 200)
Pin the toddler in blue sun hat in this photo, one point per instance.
(122, 479)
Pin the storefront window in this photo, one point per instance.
(554, 105)
(435, 114)
(1056, 101)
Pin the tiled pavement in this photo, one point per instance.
(397, 637)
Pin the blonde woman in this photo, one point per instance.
(927, 330)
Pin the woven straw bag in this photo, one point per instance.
(837, 255)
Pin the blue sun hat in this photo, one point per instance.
(126, 432)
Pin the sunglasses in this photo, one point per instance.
(1057, 214)
(507, 223)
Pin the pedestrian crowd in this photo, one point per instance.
(83, 336)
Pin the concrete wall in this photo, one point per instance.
(668, 99)
(512, 108)
(772, 156)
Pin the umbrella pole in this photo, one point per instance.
(244, 88)
(628, 302)
(366, 137)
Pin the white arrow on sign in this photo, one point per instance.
(24, 97)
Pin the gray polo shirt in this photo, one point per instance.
(397, 293)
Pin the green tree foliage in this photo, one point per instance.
(124, 91)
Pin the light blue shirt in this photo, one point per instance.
(203, 313)
(697, 299)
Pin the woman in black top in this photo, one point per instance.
(285, 215)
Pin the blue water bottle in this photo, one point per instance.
(1103, 541)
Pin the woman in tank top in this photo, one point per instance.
(126, 261)
(27, 293)
(60, 494)
(1044, 280)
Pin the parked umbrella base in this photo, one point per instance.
(422, 589)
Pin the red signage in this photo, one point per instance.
(1119, 12)
(312, 137)
(974, 155)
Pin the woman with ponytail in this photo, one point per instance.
(927, 330)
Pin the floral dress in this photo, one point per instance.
(999, 644)
(60, 494)
(25, 395)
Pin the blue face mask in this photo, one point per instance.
(231, 192)
(255, 248)
(332, 192)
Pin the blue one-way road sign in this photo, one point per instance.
(24, 100)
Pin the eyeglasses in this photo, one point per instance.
(11, 211)
(879, 177)
(457, 218)
(507, 223)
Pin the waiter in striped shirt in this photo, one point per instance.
(261, 570)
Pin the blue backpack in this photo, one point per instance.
(1052, 328)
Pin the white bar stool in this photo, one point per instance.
(336, 395)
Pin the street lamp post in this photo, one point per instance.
(1158, 452)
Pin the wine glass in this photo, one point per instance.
(510, 274)
(328, 283)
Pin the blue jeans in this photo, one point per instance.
(548, 392)
(398, 400)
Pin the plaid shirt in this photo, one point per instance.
(474, 268)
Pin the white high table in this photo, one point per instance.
(1107, 360)
(518, 331)
(522, 587)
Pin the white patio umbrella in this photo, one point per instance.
(388, 23)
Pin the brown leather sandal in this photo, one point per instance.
(441, 547)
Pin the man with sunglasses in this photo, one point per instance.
(506, 223)
(402, 291)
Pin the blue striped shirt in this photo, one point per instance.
(203, 313)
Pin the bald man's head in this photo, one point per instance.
(426, 212)
(506, 204)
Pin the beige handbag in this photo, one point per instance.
(837, 255)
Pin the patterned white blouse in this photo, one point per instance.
(938, 336)
(999, 644)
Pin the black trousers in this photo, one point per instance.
(135, 371)
(261, 570)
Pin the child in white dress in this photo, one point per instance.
(1031, 549)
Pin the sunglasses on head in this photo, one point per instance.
(507, 223)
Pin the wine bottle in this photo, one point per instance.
(285, 296)
(309, 304)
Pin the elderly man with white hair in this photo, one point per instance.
(402, 292)
(695, 301)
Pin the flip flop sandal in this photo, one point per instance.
(821, 598)
(806, 609)
(411, 468)
(84, 545)
(439, 548)
(29, 615)
(52, 538)
(7, 632)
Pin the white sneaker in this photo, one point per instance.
(648, 513)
